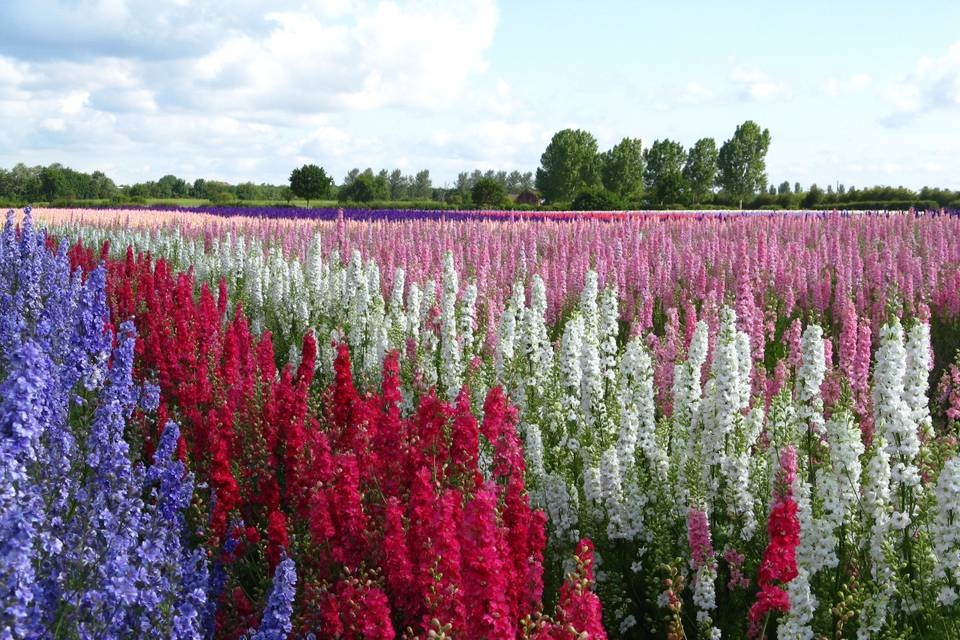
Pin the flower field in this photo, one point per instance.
(217, 425)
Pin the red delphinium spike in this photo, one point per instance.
(431, 445)
(388, 440)
(397, 568)
(222, 297)
(363, 612)
(578, 608)
(486, 572)
(346, 505)
(465, 446)
(226, 491)
(499, 426)
(277, 539)
(779, 563)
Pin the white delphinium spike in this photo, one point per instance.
(946, 531)
(744, 368)
(239, 260)
(591, 383)
(609, 328)
(537, 350)
(612, 489)
(451, 359)
(315, 269)
(533, 440)
(414, 302)
(893, 420)
(796, 622)
(687, 393)
(810, 378)
(506, 341)
(719, 412)
(917, 377)
(636, 401)
(876, 505)
(592, 486)
(588, 303)
(254, 295)
(468, 318)
(570, 371)
(838, 486)
(300, 316)
(562, 506)
(396, 293)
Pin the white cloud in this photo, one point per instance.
(933, 85)
(754, 85)
(211, 85)
(835, 87)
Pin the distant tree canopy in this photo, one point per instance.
(487, 192)
(597, 199)
(572, 173)
(664, 173)
(742, 161)
(621, 169)
(363, 188)
(568, 165)
(310, 182)
(700, 170)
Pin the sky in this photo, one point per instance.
(853, 92)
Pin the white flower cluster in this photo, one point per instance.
(917, 377)
(451, 357)
(946, 530)
(796, 622)
(810, 377)
(893, 420)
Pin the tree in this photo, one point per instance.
(399, 185)
(742, 161)
(351, 176)
(53, 182)
(597, 199)
(568, 164)
(700, 171)
(796, 187)
(664, 172)
(622, 169)
(310, 182)
(422, 187)
(784, 188)
(814, 196)
(488, 192)
(361, 189)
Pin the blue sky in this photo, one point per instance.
(854, 92)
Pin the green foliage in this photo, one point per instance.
(597, 199)
(700, 170)
(813, 196)
(488, 192)
(361, 189)
(622, 169)
(310, 182)
(664, 173)
(569, 163)
(742, 161)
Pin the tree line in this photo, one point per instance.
(573, 174)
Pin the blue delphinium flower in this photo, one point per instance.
(276, 624)
(24, 411)
(92, 544)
